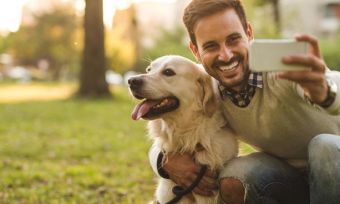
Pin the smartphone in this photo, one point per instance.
(266, 55)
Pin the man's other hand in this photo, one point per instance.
(183, 170)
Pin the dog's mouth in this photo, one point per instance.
(150, 109)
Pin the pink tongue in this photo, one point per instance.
(142, 109)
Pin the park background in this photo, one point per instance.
(66, 135)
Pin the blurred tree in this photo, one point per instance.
(274, 4)
(330, 51)
(168, 42)
(276, 13)
(51, 37)
(135, 37)
(123, 43)
(262, 17)
(3, 44)
(92, 75)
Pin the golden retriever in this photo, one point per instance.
(184, 114)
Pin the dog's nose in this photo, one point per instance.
(135, 82)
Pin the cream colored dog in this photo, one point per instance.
(184, 114)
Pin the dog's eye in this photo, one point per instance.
(168, 72)
(148, 69)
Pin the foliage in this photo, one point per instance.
(50, 36)
(330, 51)
(168, 42)
(260, 15)
(3, 44)
(120, 52)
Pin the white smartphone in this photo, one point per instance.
(266, 55)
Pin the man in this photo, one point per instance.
(291, 117)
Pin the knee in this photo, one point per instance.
(232, 191)
(323, 145)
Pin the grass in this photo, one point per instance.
(57, 150)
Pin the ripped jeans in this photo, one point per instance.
(268, 180)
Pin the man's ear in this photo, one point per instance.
(250, 33)
(194, 51)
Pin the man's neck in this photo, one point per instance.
(239, 87)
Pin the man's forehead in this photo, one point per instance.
(209, 27)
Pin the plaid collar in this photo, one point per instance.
(243, 98)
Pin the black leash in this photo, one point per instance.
(180, 192)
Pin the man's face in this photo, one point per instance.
(222, 47)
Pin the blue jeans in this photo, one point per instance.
(269, 180)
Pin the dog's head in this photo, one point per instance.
(172, 85)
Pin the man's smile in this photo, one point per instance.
(230, 67)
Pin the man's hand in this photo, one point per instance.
(312, 81)
(183, 170)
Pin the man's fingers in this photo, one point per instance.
(309, 61)
(209, 184)
(211, 174)
(205, 187)
(199, 189)
(203, 192)
(315, 49)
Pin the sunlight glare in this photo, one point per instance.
(11, 15)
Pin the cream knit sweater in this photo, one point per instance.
(279, 120)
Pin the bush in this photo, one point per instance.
(168, 43)
(331, 52)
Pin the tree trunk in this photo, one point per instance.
(92, 74)
(135, 37)
(276, 10)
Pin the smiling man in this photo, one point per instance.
(292, 118)
(222, 47)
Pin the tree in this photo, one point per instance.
(92, 74)
(276, 11)
(50, 37)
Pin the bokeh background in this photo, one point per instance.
(66, 135)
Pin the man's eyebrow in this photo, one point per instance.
(233, 35)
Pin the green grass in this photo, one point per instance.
(72, 151)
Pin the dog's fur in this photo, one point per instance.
(197, 126)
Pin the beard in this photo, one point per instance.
(240, 80)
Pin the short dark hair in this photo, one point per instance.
(198, 9)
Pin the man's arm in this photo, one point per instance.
(183, 170)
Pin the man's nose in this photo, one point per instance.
(225, 53)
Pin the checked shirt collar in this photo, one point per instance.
(243, 98)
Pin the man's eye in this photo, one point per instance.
(209, 47)
(168, 72)
(233, 40)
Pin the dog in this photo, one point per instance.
(182, 107)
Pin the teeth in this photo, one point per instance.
(230, 67)
(164, 102)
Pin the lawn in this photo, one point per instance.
(59, 150)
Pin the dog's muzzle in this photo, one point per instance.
(135, 83)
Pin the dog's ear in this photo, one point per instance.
(208, 98)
